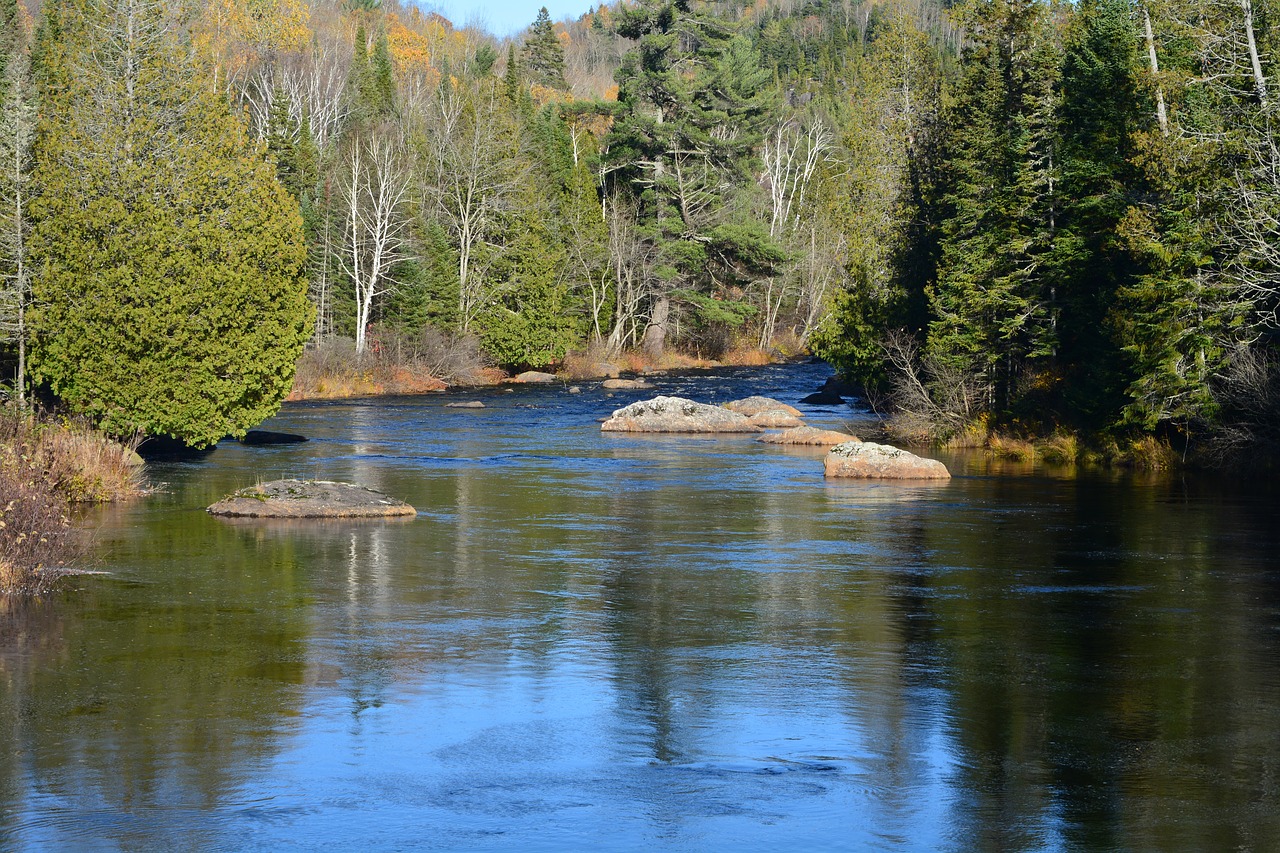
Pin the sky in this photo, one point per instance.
(505, 17)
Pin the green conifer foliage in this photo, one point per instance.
(993, 308)
(170, 295)
(17, 119)
(542, 56)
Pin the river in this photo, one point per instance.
(614, 642)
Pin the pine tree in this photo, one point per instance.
(169, 294)
(542, 57)
(693, 101)
(1100, 114)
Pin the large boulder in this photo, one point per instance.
(830, 394)
(309, 499)
(534, 377)
(676, 414)
(775, 419)
(626, 385)
(808, 436)
(868, 461)
(755, 405)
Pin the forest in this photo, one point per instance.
(996, 216)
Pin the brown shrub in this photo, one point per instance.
(36, 540)
(79, 462)
(393, 364)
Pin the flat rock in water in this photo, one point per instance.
(776, 419)
(265, 436)
(534, 377)
(309, 499)
(869, 461)
(755, 405)
(676, 414)
(808, 436)
(473, 404)
(626, 384)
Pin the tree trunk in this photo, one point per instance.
(1162, 116)
(1259, 80)
(655, 335)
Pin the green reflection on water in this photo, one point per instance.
(999, 663)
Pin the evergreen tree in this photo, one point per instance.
(993, 307)
(693, 100)
(1100, 114)
(17, 119)
(542, 57)
(169, 296)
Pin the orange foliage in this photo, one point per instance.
(410, 50)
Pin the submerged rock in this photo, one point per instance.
(808, 436)
(534, 377)
(309, 499)
(676, 414)
(865, 460)
(755, 405)
(830, 394)
(264, 436)
(626, 384)
(472, 404)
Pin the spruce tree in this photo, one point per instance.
(170, 295)
(993, 308)
(542, 56)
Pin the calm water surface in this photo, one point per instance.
(650, 643)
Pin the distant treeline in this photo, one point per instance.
(1008, 214)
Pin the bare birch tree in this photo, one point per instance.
(374, 189)
(471, 177)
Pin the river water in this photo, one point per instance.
(613, 642)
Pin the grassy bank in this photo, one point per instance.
(47, 464)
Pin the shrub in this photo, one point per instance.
(1060, 449)
(1014, 449)
(36, 540)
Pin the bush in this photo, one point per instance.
(36, 540)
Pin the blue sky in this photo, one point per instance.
(505, 17)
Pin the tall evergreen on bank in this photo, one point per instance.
(170, 295)
(994, 307)
(693, 99)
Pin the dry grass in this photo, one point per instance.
(1013, 449)
(431, 361)
(1060, 449)
(77, 461)
(1151, 454)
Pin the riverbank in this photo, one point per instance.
(46, 465)
(333, 371)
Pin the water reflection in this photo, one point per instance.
(624, 643)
